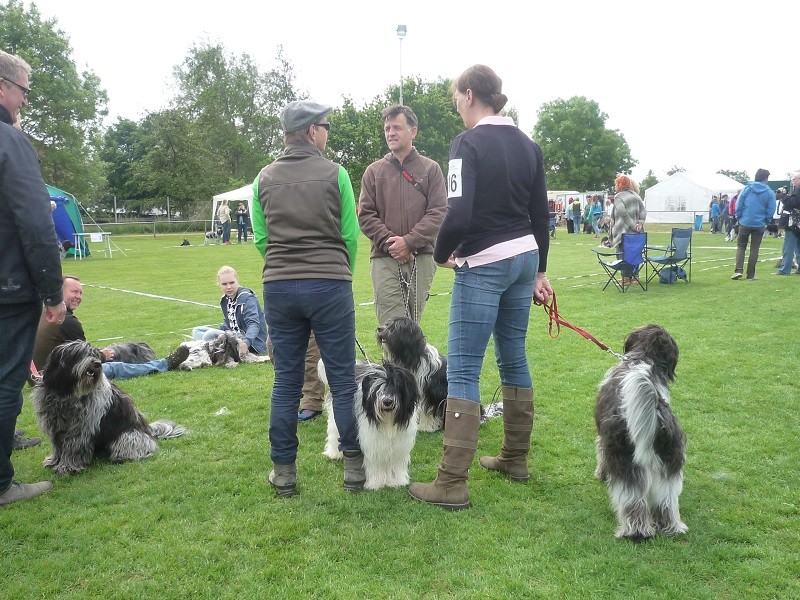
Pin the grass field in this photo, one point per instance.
(198, 520)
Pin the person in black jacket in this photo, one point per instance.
(791, 241)
(30, 265)
(495, 237)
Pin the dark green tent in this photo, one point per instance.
(67, 219)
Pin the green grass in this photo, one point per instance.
(198, 520)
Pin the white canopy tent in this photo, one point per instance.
(681, 196)
(242, 194)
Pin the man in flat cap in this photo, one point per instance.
(304, 224)
(754, 211)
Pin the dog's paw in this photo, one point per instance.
(62, 469)
(636, 536)
(49, 461)
(674, 528)
(333, 453)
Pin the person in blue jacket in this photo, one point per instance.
(754, 211)
(241, 312)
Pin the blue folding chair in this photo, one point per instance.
(623, 266)
(675, 257)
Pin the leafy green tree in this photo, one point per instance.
(675, 169)
(66, 110)
(356, 138)
(579, 152)
(740, 176)
(234, 107)
(647, 182)
(174, 162)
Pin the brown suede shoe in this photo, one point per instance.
(24, 491)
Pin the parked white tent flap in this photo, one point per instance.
(681, 196)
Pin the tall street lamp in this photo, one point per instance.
(401, 33)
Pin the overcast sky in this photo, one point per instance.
(702, 84)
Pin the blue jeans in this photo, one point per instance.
(493, 299)
(121, 370)
(576, 220)
(791, 248)
(205, 332)
(226, 231)
(18, 322)
(295, 308)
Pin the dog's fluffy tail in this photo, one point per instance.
(167, 429)
(639, 404)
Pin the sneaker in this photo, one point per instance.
(176, 357)
(736, 276)
(753, 278)
(21, 442)
(308, 415)
(24, 491)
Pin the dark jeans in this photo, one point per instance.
(755, 235)
(18, 323)
(226, 232)
(242, 232)
(295, 308)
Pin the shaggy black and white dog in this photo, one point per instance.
(213, 235)
(222, 351)
(132, 352)
(640, 445)
(403, 343)
(85, 415)
(386, 416)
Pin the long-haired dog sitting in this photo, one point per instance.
(403, 342)
(222, 351)
(640, 446)
(85, 415)
(386, 416)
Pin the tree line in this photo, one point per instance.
(221, 126)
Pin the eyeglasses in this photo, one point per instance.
(325, 126)
(25, 91)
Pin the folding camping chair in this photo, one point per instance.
(623, 266)
(675, 257)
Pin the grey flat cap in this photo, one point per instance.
(301, 113)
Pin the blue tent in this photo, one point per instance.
(67, 219)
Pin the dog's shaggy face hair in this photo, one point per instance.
(132, 352)
(640, 445)
(386, 418)
(85, 415)
(403, 343)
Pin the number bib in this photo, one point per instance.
(454, 178)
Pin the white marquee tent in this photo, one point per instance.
(680, 197)
(242, 194)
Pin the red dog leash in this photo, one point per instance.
(551, 308)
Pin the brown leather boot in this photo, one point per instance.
(449, 490)
(517, 426)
